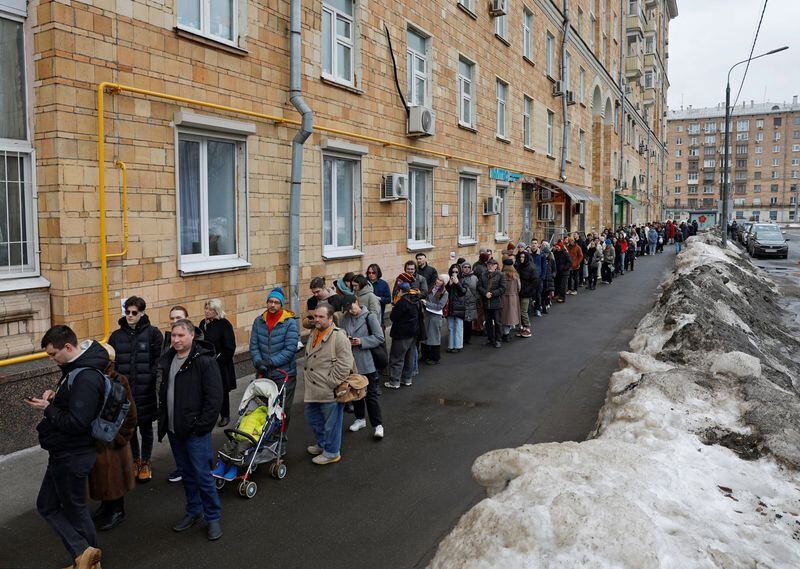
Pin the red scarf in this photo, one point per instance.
(272, 319)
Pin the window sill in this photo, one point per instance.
(529, 60)
(328, 80)
(341, 254)
(583, 166)
(209, 41)
(23, 283)
(415, 246)
(499, 238)
(528, 148)
(212, 266)
(466, 242)
(503, 40)
(551, 157)
(502, 139)
(467, 11)
(550, 77)
(467, 127)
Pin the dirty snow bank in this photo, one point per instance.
(694, 460)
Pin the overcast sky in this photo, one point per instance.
(709, 36)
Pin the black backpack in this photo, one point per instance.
(114, 409)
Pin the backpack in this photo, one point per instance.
(114, 409)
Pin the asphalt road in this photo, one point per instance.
(386, 504)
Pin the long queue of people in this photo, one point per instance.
(182, 378)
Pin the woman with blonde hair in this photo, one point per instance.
(218, 331)
(510, 317)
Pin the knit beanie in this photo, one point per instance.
(277, 292)
(445, 277)
(508, 262)
(608, 241)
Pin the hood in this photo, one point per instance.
(285, 315)
(527, 256)
(366, 289)
(92, 355)
(143, 321)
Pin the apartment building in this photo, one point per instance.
(764, 167)
(439, 126)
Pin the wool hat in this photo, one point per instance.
(277, 292)
(491, 262)
(466, 265)
(510, 246)
(445, 277)
(508, 262)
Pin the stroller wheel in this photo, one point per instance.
(219, 483)
(247, 489)
(278, 470)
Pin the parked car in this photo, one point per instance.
(740, 230)
(746, 234)
(767, 239)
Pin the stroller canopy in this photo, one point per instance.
(259, 392)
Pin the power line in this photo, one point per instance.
(752, 49)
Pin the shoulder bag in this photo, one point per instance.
(354, 388)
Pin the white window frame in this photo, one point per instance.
(463, 96)
(467, 238)
(501, 109)
(592, 26)
(567, 78)
(776, 148)
(413, 74)
(527, 34)
(550, 40)
(501, 27)
(468, 5)
(568, 147)
(581, 85)
(203, 262)
(759, 123)
(205, 23)
(335, 39)
(582, 148)
(551, 116)
(501, 223)
(335, 251)
(527, 121)
(427, 242)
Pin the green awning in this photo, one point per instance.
(630, 200)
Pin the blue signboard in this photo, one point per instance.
(503, 175)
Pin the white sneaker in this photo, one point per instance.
(378, 432)
(357, 425)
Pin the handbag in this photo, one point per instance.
(354, 388)
(380, 357)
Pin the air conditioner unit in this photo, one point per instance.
(580, 208)
(421, 121)
(570, 97)
(395, 187)
(545, 195)
(492, 205)
(498, 8)
(558, 89)
(546, 212)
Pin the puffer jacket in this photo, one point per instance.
(198, 392)
(457, 299)
(405, 318)
(609, 254)
(494, 282)
(528, 276)
(365, 327)
(576, 255)
(275, 350)
(137, 351)
(327, 365)
(563, 261)
(471, 297)
(369, 300)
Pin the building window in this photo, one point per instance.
(773, 201)
(341, 199)
(527, 34)
(211, 195)
(776, 135)
(592, 27)
(549, 54)
(757, 188)
(582, 85)
(466, 104)
(776, 161)
(678, 141)
(501, 27)
(756, 215)
(742, 136)
(759, 162)
(795, 147)
(677, 190)
(216, 19)
(501, 223)
(759, 137)
(501, 92)
(742, 126)
(678, 153)
(678, 165)
(467, 210)
(773, 215)
(710, 139)
(418, 69)
(679, 128)
(338, 43)
(757, 175)
(759, 150)
(776, 148)
(420, 208)
(677, 202)
(550, 119)
(773, 188)
(678, 177)
(775, 175)
(582, 148)
(777, 121)
(760, 123)
(739, 214)
(527, 121)
(468, 4)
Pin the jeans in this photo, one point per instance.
(678, 247)
(370, 402)
(62, 499)
(401, 359)
(622, 262)
(455, 340)
(195, 459)
(144, 429)
(652, 245)
(574, 279)
(524, 308)
(325, 419)
(493, 331)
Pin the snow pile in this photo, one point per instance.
(694, 460)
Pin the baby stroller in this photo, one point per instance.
(261, 415)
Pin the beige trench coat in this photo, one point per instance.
(327, 365)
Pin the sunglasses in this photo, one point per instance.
(132, 312)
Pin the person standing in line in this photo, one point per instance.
(65, 432)
(491, 289)
(510, 312)
(678, 240)
(563, 268)
(576, 256)
(379, 287)
(434, 306)
(529, 288)
(471, 300)
(137, 345)
(362, 290)
(549, 288)
(189, 404)
(365, 333)
(595, 259)
(320, 292)
(218, 331)
(652, 239)
(608, 262)
(425, 270)
(405, 327)
(412, 277)
(329, 360)
(456, 309)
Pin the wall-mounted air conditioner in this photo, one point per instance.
(395, 187)
(558, 89)
(545, 212)
(545, 195)
(498, 8)
(492, 205)
(421, 121)
(570, 97)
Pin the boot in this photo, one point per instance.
(137, 466)
(145, 472)
(89, 559)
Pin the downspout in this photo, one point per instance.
(565, 129)
(621, 114)
(306, 127)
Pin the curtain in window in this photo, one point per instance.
(12, 81)
(221, 198)
(221, 12)
(189, 156)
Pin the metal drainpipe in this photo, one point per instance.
(306, 127)
(565, 129)
(621, 113)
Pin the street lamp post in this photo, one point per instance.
(725, 183)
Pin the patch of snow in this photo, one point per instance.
(737, 364)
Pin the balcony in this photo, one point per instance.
(649, 96)
(650, 60)
(633, 66)
(635, 23)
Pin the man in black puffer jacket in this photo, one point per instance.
(528, 291)
(563, 267)
(138, 345)
(65, 432)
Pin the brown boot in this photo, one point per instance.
(137, 466)
(145, 472)
(89, 559)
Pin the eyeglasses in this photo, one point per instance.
(132, 312)
(370, 272)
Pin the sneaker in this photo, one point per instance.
(526, 333)
(406, 383)
(175, 476)
(538, 314)
(357, 425)
(145, 472)
(498, 345)
(378, 432)
(391, 384)
(322, 459)
(314, 450)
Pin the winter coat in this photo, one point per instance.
(679, 236)
(540, 260)
(66, 424)
(137, 351)
(327, 365)
(471, 297)
(563, 262)
(479, 270)
(575, 254)
(528, 276)
(550, 281)
(494, 282)
(366, 327)
(430, 274)
(275, 350)
(381, 289)
(595, 257)
(112, 475)
(405, 319)
(419, 283)
(369, 300)
(219, 333)
(167, 343)
(335, 300)
(510, 302)
(609, 254)
(457, 299)
(652, 235)
(198, 393)
(433, 322)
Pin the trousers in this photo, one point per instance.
(370, 402)
(195, 459)
(325, 420)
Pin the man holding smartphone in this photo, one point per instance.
(65, 432)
